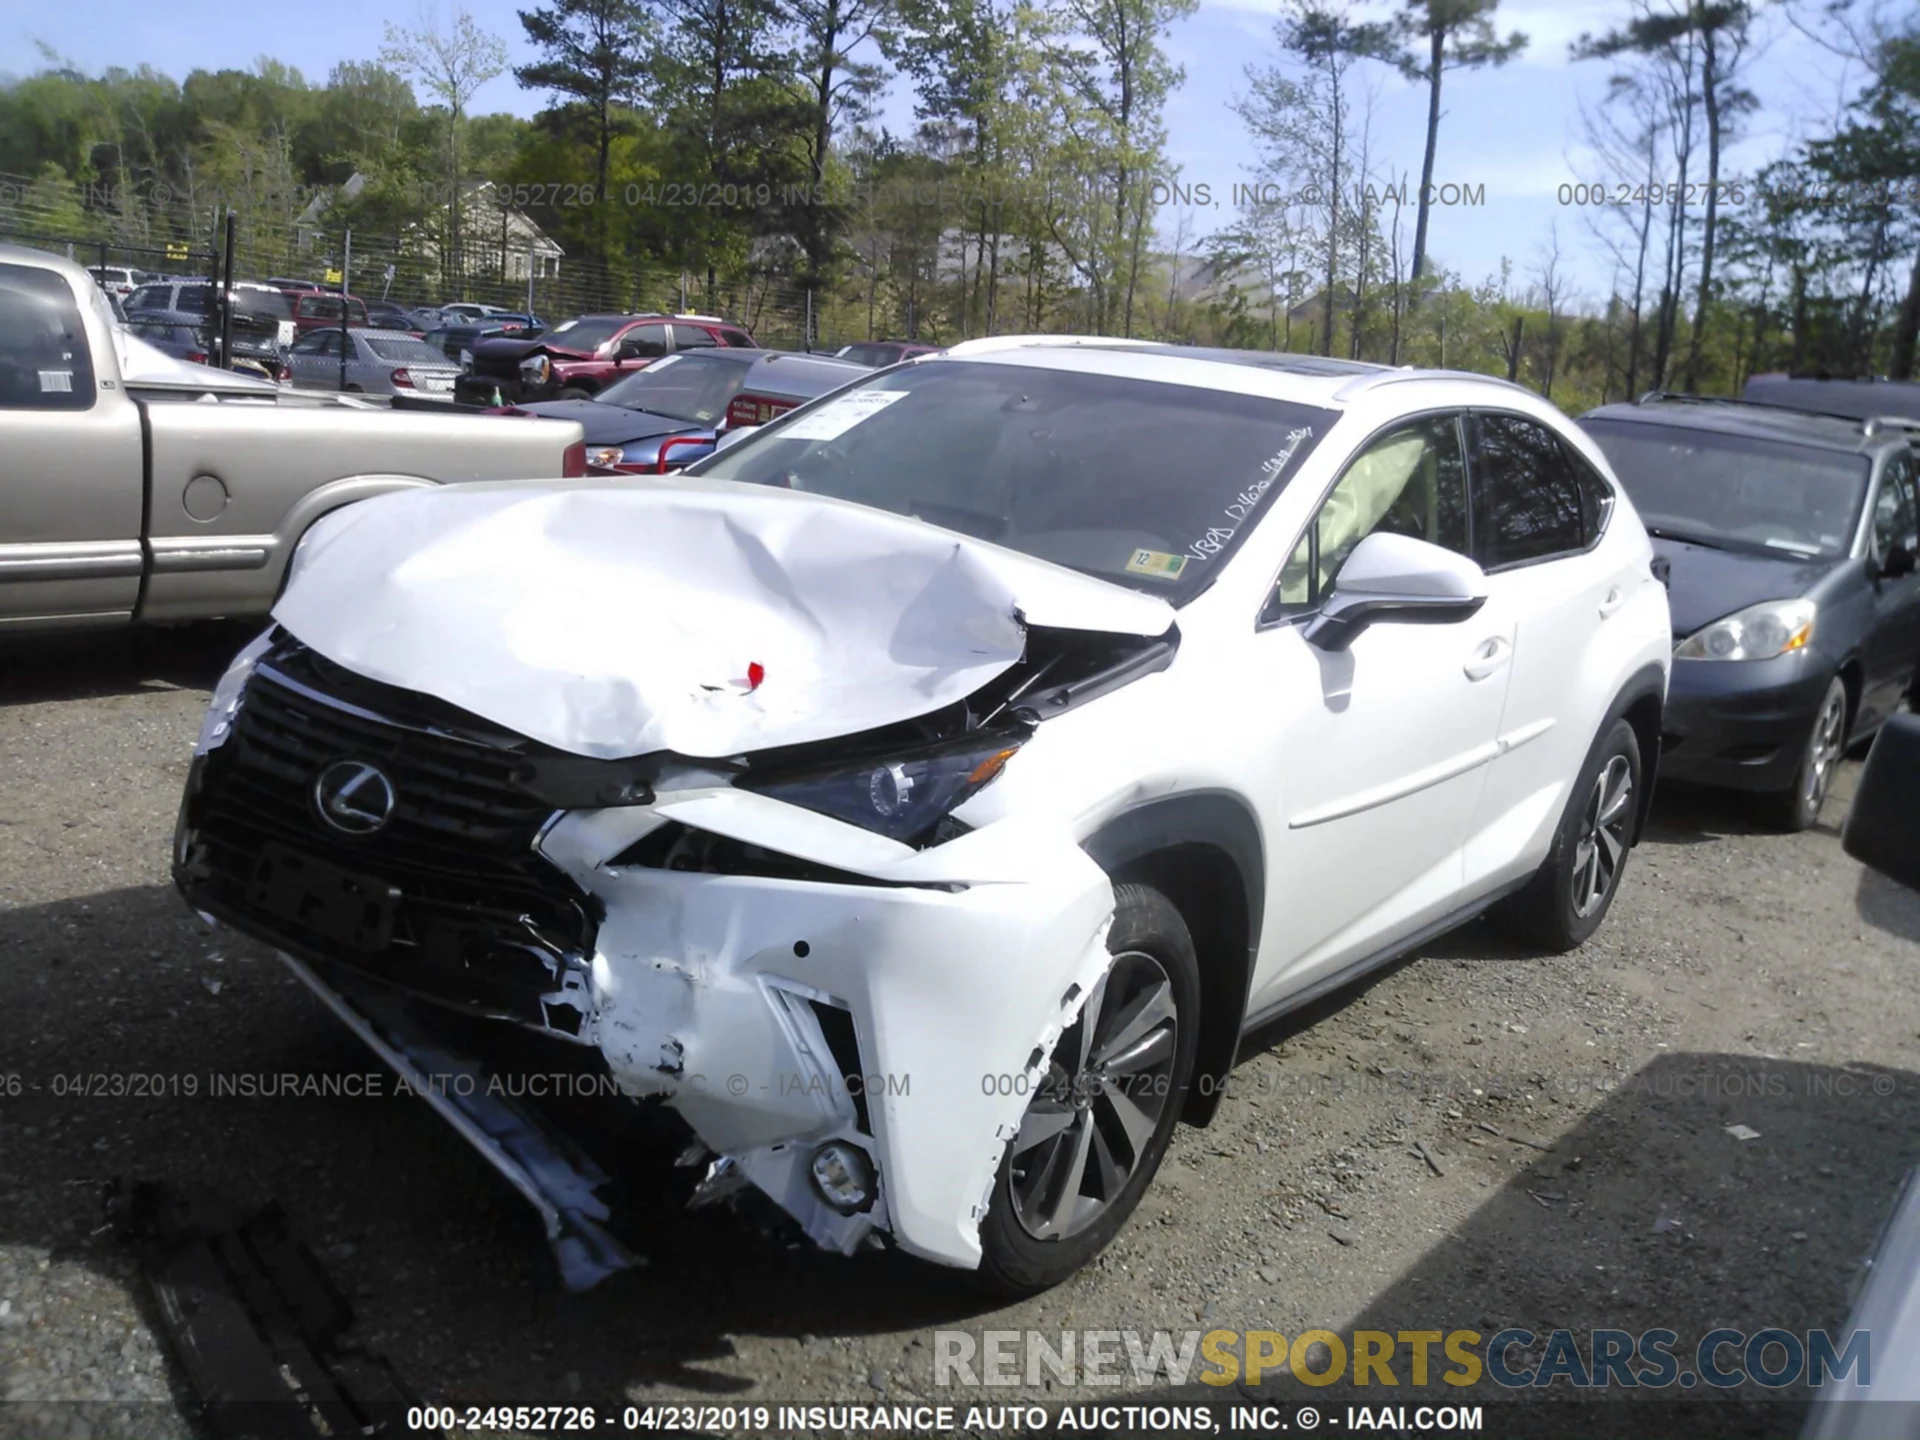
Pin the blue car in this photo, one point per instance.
(672, 413)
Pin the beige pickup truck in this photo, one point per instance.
(134, 487)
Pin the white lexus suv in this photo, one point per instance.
(922, 796)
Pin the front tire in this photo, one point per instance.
(1570, 894)
(1798, 807)
(1100, 1119)
(574, 392)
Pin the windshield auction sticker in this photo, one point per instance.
(834, 419)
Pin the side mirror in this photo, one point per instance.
(1899, 563)
(1394, 578)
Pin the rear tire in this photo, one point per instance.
(1571, 892)
(1091, 1140)
(574, 392)
(1798, 807)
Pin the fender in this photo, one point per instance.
(322, 501)
(1222, 821)
(1649, 683)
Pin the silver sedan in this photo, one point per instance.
(378, 362)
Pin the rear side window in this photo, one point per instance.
(44, 360)
(691, 337)
(149, 297)
(738, 339)
(1529, 502)
(643, 341)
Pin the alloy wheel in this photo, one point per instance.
(1091, 1120)
(1602, 846)
(1823, 751)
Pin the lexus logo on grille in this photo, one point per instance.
(353, 797)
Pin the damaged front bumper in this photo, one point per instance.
(908, 1018)
(852, 1025)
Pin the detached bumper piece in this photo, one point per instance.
(255, 1323)
(560, 1180)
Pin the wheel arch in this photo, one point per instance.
(1204, 852)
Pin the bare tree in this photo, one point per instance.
(1551, 286)
(452, 63)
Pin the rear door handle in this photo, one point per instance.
(1616, 597)
(1488, 656)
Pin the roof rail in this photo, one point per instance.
(988, 344)
(1869, 426)
(1404, 373)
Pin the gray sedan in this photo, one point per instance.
(378, 362)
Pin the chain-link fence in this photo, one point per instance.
(495, 258)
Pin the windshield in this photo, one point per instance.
(1764, 495)
(1145, 484)
(586, 334)
(405, 350)
(694, 388)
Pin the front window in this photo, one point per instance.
(1411, 481)
(694, 388)
(1148, 485)
(1736, 492)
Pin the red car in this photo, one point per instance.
(577, 359)
(318, 309)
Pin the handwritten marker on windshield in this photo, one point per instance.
(756, 672)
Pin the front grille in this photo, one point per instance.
(480, 918)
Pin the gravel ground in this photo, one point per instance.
(1743, 978)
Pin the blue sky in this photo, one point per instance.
(1515, 130)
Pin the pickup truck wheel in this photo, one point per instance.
(1100, 1118)
(574, 392)
(1571, 892)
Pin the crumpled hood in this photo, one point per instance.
(619, 618)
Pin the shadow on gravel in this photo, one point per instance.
(120, 662)
(1888, 905)
(125, 1025)
(1650, 1215)
(1696, 814)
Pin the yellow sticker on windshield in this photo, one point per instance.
(1157, 563)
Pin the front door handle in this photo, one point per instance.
(1616, 597)
(1488, 656)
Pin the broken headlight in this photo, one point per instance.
(225, 704)
(901, 797)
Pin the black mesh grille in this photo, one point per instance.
(481, 919)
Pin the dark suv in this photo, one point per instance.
(1790, 540)
(579, 357)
